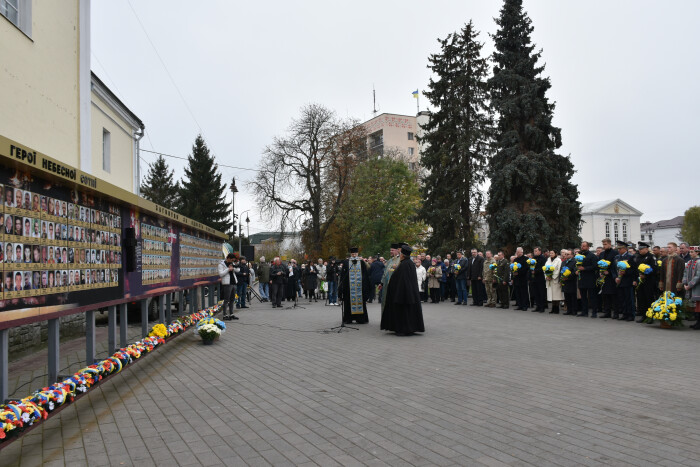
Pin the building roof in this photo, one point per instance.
(597, 206)
(114, 100)
(665, 224)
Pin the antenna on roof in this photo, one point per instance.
(374, 100)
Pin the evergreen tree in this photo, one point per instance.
(457, 140)
(203, 194)
(531, 198)
(159, 185)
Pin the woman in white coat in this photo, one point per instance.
(554, 293)
(421, 273)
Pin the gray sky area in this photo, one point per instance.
(624, 76)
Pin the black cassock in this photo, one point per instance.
(344, 293)
(403, 313)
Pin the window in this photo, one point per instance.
(19, 13)
(411, 151)
(642, 237)
(410, 136)
(650, 239)
(412, 165)
(607, 229)
(624, 231)
(106, 159)
(617, 231)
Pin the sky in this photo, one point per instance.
(624, 78)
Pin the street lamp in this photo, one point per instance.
(234, 190)
(240, 227)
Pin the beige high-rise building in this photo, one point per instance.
(394, 135)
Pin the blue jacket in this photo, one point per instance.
(376, 271)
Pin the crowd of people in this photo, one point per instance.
(608, 281)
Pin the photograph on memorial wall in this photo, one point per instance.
(59, 245)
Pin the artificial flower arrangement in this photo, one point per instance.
(548, 270)
(579, 260)
(644, 270)
(603, 266)
(668, 309)
(515, 267)
(622, 267)
(15, 415)
(532, 262)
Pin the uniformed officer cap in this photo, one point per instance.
(620, 244)
(643, 245)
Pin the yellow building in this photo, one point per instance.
(52, 102)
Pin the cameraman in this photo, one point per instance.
(228, 282)
(332, 280)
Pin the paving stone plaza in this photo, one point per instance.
(480, 387)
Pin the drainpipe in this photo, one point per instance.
(138, 134)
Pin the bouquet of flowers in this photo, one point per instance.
(209, 332)
(668, 308)
(515, 267)
(603, 266)
(659, 262)
(493, 267)
(216, 322)
(431, 271)
(159, 330)
(532, 262)
(548, 270)
(644, 270)
(457, 267)
(564, 275)
(579, 259)
(622, 267)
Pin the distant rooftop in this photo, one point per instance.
(665, 224)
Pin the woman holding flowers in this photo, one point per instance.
(691, 283)
(552, 269)
(434, 276)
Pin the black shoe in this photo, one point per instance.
(554, 312)
(458, 303)
(582, 315)
(243, 306)
(234, 317)
(606, 315)
(568, 313)
(640, 320)
(616, 316)
(274, 306)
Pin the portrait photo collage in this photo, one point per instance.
(50, 246)
(198, 257)
(156, 254)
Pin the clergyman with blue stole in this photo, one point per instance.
(354, 288)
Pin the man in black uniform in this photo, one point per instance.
(586, 280)
(403, 313)
(647, 282)
(522, 300)
(606, 281)
(625, 281)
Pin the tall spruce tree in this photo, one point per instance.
(531, 198)
(203, 195)
(159, 186)
(457, 140)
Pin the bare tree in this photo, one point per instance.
(303, 175)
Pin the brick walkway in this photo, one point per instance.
(481, 387)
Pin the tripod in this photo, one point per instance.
(296, 301)
(342, 327)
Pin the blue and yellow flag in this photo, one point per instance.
(415, 93)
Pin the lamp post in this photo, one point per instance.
(240, 227)
(234, 190)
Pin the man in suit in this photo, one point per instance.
(520, 281)
(606, 281)
(475, 270)
(625, 280)
(539, 281)
(586, 280)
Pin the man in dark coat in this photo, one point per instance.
(475, 270)
(353, 289)
(503, 273)
(278, 274)
(625, 281)
(376, 272)
(606, 281)
(587, 274)
(522, 300)
(569, 285)
(647, 282)
(403, 313)
(539, 281)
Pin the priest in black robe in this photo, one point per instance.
(403, 313)
(354, 289)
